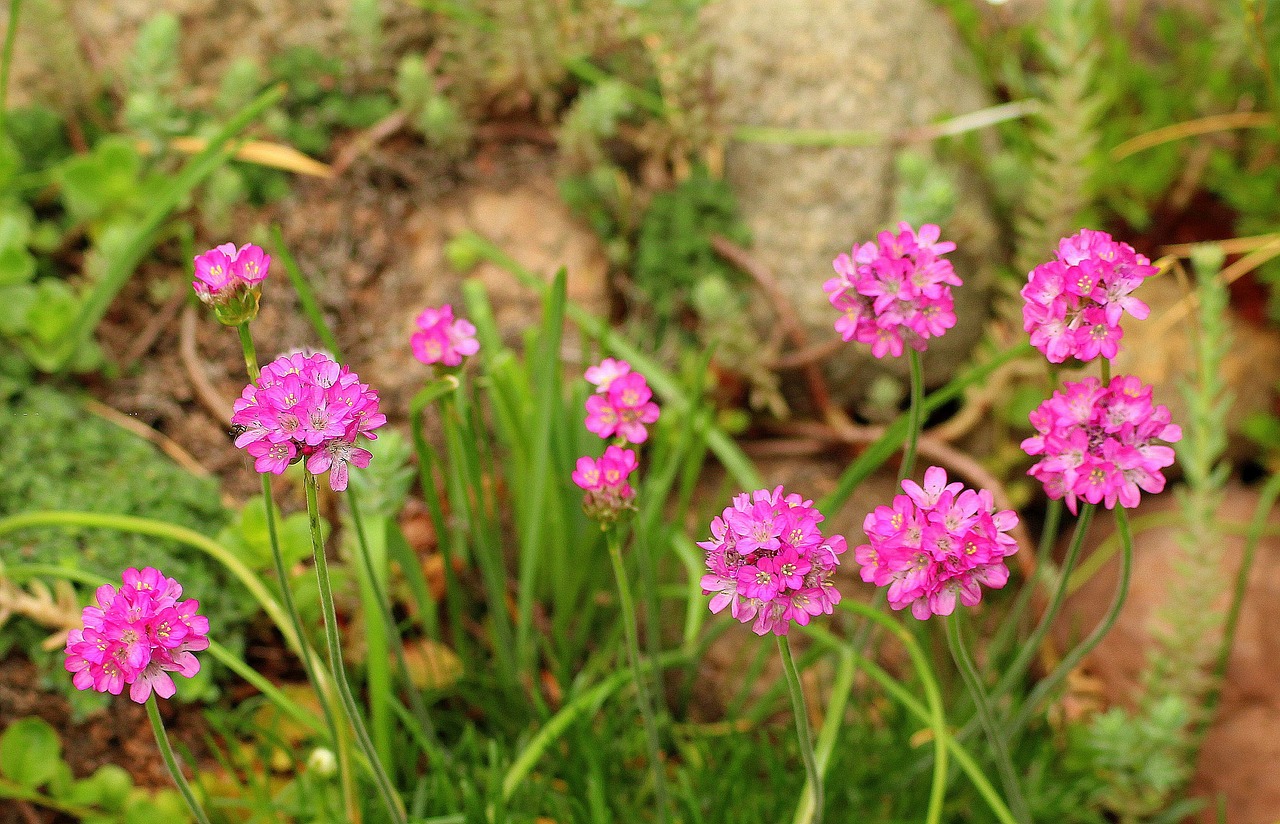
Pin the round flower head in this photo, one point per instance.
(442, 338)
(604, 480)
(230, 281)
(895, 291)
(1074, 302)
(1101, 443)
(136, 635)
(307, 407)
(936, 544)
(625, 407)
(768, 562)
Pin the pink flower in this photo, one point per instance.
(1100, 443)
(896, 291)
(136, 636)
(624, 408)
(307, 407)
(768, 562)
(230, 281)
(603, 375)
(935, 545)
(442, 338)
(1073, 304)
(604, 481)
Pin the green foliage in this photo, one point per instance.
(926, 192)
(1140, 759)
(1060, 191)
(61, 457)
(248, 537)
(673, 249)
(32, 769)
(431, 113)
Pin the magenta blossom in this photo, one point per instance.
(1100, 443)
(442, 338)
(603, 375)
(895, 291)
(936, 544)
(625, 408)
(137, 635)
(230, 281)
(768, 562)
(604, 481)
(1073, 304)
(307, 407)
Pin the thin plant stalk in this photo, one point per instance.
(1044, 553)
(1071, 659)
(171, 761)
(388, 619)
(915, 420)
(1032, 645)
(390, 799)
(328, 700)
(999, 747)
(814, 782)
(631, 631)
(6, 60)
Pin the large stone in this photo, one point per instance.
(876, 65)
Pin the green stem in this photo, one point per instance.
(913, 706)
(915, 419)
(999, 747)
(6, 60)
(1012, 624)
(1069, 662)
(1266, 501)
(1106, 372)
(328, 700)
(392, 801)
(250, 352)
(1031, 646)
(388, 619)
(933, 695)
(631, 631)
(814, 782)
(170, 761)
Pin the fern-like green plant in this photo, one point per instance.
(1180, 664)
(1059, 191)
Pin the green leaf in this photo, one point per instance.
(16, 266)
(30, 752)
(15, 304)
(250, 540)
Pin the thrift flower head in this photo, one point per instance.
(622, 404)
(895, 291)
(605, 481)
(442, 338)
(768, 562)
(1100, 443)
(1073, 303)
(137, 635)
(935, 544)
(307, 406)
(230, 281)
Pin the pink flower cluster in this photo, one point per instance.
(230, 281)
(307, 406)
(604, 479)
(442, 338)
(768, 561)
(1073, 303)
(137, 635)
(895, 291)
(1099, 443)
(622, 404)
(935, 544)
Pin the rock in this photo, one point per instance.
(874, 65)
(1238, 757)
